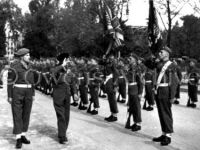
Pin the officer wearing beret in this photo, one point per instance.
(165, 91)
(193, 73)
(62, 79)
(21, 94)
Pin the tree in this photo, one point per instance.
(173, 9)
(9, 12)
(185, 39)
(39, 27)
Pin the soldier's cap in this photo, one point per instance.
(62, 56)
(167, 49)
(22, 52)
(193, 60)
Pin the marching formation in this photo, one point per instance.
(122, 80)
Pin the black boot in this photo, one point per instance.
(111, 118)
(166, 141)
(176, 102)
(158, 139)
(74, 104)
(136, 127)
(63, 140)
(25, 140)
(149, 108)
(94, 112)
(18, 144)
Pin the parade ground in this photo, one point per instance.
(87, 132)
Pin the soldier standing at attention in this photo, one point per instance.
(193, 73)
(110, 87)
(61, 95)
(135, 88)
(165, 91)
(149, 89)
(21, 95)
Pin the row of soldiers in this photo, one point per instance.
(78, 77)
(83, 69)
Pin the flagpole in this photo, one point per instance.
(161, 19)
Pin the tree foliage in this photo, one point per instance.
(185, 39)
(9, 12)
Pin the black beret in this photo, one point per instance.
(62, 56)
(22, 52)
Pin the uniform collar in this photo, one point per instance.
(25, 65)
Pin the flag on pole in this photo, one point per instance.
(113, 25)
(154, 33)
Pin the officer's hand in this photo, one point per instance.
(65, 62)
(9, 100)
(33, 97)
(76, 98)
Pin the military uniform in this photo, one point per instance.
(83, 88)
(121, 83)
(61, 97)
(165, 90)
(149, 89)
(21, 91)
(94, 86)
(1, 75)
(110, 88)
(179, 77)
(135, 88)
(193, 80)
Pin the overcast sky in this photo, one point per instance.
(138, 12)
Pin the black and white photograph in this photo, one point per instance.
(99, 74)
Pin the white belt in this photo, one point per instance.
(133, 83)
(23, 85)
(121, 77)
(149, 81)
(91, 78)
(81, 78)
(192, 79)
(163, 85)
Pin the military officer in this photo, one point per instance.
(165, 91)
(21, 95)
(61, 95)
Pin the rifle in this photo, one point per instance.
(145, 104)
(89, 108)
(128, 122)
(118, 98)
(188, 102)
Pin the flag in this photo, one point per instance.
(113, 25)
(154, 33)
